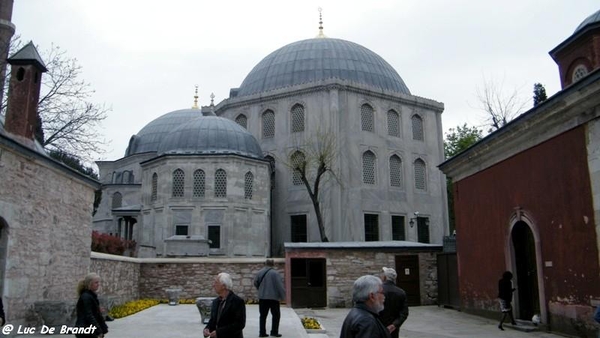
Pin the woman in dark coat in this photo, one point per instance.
(505, 291)
(88, 307)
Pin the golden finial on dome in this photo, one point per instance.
(321, 35)
(195, 106)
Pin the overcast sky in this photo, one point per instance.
(144, 57)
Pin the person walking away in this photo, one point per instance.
(505, 293)
(270, 293)
(228, 311)
(88, 307)
(395, 306)
(363, 319)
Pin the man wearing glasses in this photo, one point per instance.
(363, 320)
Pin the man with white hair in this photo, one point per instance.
(395, 307)
(363, 320)
(228, 312)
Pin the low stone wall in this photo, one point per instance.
(120, 277)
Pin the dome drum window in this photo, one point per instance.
(178, 183)
(242, 120)
(220, 183)
(366, 118)
(154, 194)
(417, 128)
(297, 118)
(248, 185)
(393, 122)
(199, 183)
(268, 124)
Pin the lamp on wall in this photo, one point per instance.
(412, 220)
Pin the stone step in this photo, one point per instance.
(524, 326)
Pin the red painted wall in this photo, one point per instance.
(551, 183)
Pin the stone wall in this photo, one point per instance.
(120, 277)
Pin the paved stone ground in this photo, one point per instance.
(164, 321)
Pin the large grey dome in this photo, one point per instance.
(318, 59)
(148, 139)
(594, 18)
(210, 135)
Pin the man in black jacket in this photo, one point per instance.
(395, 309)
(228, 312)
(363, 320)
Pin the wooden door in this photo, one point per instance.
(309, 287)
(408, 279)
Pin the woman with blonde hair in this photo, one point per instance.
(88, 307)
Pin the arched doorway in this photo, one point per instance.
(525, 263)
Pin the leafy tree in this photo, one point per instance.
(313, 167)
(500, 106)
(539, 94)
(457, 140)
(69, 119)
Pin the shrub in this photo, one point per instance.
(110, 244)
(132, 307)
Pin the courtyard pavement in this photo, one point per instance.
(164, 321)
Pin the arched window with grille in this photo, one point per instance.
(199, 183)
(220, 183)
(242, 120)
(417, 128)
(117, 200)
(298, 160)
(367, 118)
(154, 194)
(420, 174)
(297, 118)
(368, 162)
(395, 171)
(248, 185)
(579, 72)
(393, 123)
(178, 183)
(268, 124)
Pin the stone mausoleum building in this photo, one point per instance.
(191, 184)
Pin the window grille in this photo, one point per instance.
(248, 185)
(393, 123)
(417, 128)
(395, 171)
(579, 72)
(371, 227)
(178, 180)
(220, 183)
(299, 233)
(154, 195)
(369, 167)
(199, 183)
(242, 120)
(420, 175)
(268, 124)
(297, 118)
(366, 117)
(117, 200)
(398, 228)
(298, 160)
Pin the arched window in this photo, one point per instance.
(126, 177)
(417, 128)
(154, 194)
(420, 175)
(199, 183)
(298, 160)
(393, 123)
(178, 181)
(131, 177)
(220, 183)
(242, 120)
(114, 177)
(366, 118)
(579, 72)
(117, 200)
(248, 185)
(297, 118)
(368, 162)
(395, 171)
(268, 124)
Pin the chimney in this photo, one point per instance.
(24, 92)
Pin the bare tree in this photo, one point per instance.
(69, 120)
(500, 106)
(313, 163)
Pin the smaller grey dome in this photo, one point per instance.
(210, 135)
(594, 18)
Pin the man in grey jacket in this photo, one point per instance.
(270, 292)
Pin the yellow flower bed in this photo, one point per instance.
(311, 323)
(132, 307)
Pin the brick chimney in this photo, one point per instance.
(24, 92)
